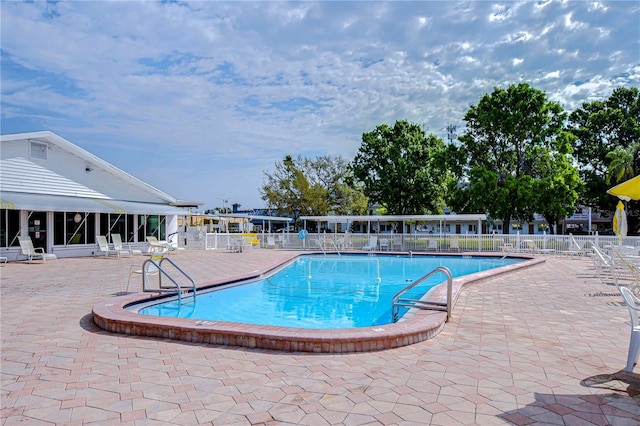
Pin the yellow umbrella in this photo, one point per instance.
(620, 221)
(627, 190)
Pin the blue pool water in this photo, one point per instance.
(324, 291)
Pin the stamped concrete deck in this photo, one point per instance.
(540, 346)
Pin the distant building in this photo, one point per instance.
(63, 196)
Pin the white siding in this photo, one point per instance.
(69, 171)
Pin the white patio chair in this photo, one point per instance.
(118, 247)
(506, 248)
(372, 244)
(384, 244)
(633, 303)
(157, 246)
(344, 243)
(147, 268)
(103, 246)
(575, 249)
(27, 249)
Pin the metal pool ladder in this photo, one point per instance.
(397, 301)
(155, 268)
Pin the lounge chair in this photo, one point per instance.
(27, 249)
(118, 247)
(633, 304)
(528, 246)
(282, 240)
(454, 244)
(271, 242)
(575, 249)
(628, 269)
(432, 244)
(607, 269)
(103, 246)
(580, 250)
(344, 243)
(506, 248)
(372, 245)
(384, 244)
(157, 246)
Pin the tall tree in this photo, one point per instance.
(605, 129)
(557, 188)
(401, 169)
(302, 186)
(513, 138)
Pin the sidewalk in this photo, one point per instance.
(540, 346)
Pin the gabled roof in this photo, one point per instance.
(92, 162)
(21, 175)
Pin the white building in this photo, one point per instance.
(63, 196)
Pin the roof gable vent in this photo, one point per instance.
(38, 150)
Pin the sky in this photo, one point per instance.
(200, 99)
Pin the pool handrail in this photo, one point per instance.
(321, 244)
(396, 301)
(161, 271)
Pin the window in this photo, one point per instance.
(38, 150)
(58, 229)
(73, 228)
(117, 225)
(543, 227)
(153, 225)
(141, 230)
(131, 226)
(9, 227)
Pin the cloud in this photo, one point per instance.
(200, 98)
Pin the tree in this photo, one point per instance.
(621, 163)
(401, 169)
(513, 145)
(557, 189)
(314, 187)
(333, 173)
(607, 147)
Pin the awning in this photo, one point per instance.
(133, 207)
(58, 203)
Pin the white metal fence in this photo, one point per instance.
(557, 244)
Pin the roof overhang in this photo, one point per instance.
(400, 218)
(258, 217)
(57, 203)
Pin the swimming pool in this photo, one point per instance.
(119, 315)
(324, 292)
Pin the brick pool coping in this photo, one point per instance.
(112, 315)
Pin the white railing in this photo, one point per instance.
(420, 242)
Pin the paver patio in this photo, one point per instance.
(540, 346)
